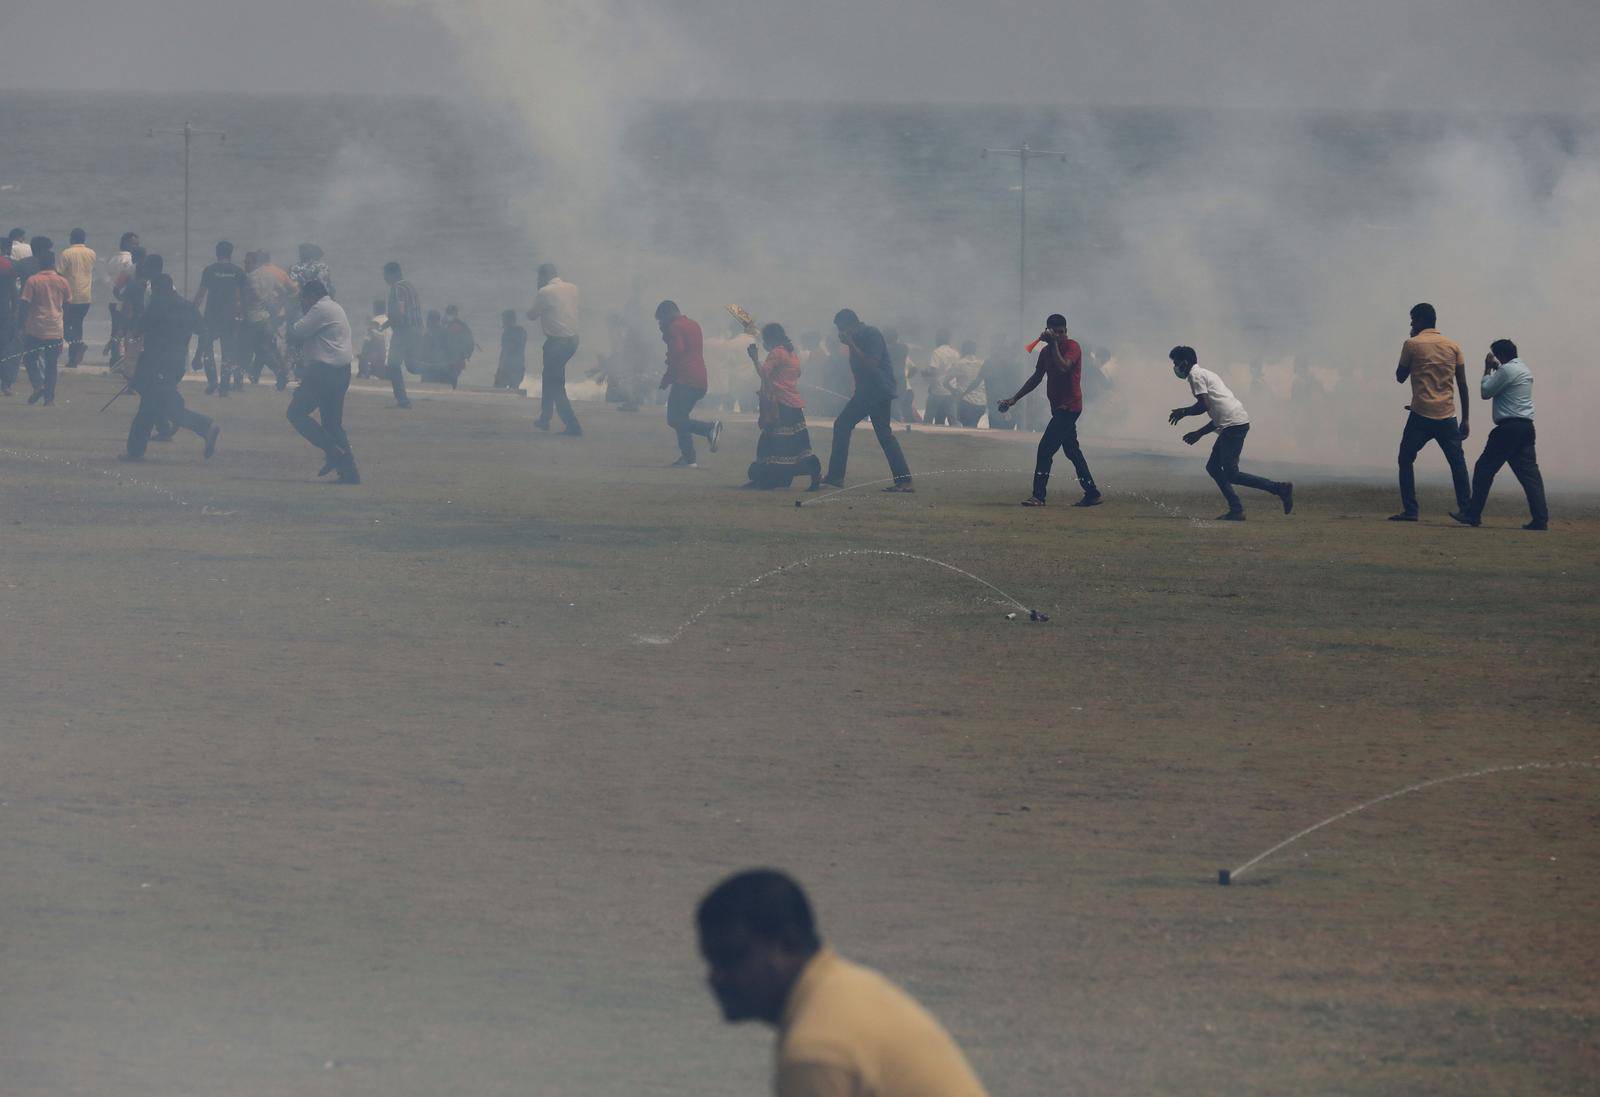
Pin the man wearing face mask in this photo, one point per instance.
(1231, 423)
(843, 1030)
(1061, 368)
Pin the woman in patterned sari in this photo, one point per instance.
(784, 449)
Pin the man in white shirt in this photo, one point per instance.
(20, 248)
(1231, 423)
(119, 268)
(555, 306)
(76, 265)
(1509, 384)
(323, 336)
(940, 406)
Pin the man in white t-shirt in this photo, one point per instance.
(555, 306)
(1231, 423)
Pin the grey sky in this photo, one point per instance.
(1473, 54)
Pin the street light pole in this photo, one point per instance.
(188, 133)
(1023, 154)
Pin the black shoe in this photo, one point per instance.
(1537, 526)
(35, 396)
(1464, 518)
(1231, 516)
(541, 424)
(1286, 493)
(1091, 500)
(716, 432)
(1402, 517)
(349, 476)
(211, 440)
(816, 485)
(330, 465)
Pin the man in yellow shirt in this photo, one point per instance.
(76, 265)
(843, 1030)
(1431, 363)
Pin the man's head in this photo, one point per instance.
(846, 321)
(547, 274)
(1504, 350)
(756, 935)
(129, 241)
(434, 319)
(44, 252)
(224, 250)
(252, 260)
(149, 266)
(773, 335)
(509, 318)
(1056, 324)
(162, 285)
(1184, 359)
(391, 272)
(19, 234)
(667, 312)
(77, 236)
(1423, 317)
(312, 292)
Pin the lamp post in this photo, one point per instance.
(1023, 154)
(188, 133)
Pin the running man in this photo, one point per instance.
(323, 335)
(1429, 361)
(875, 392)
(163, 329)
(685, 382)
(843, 1030)
(1231, 423)
(1509, 384)
(1060, 366)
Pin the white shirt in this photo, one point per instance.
(1226, 411)
(324, 331)
(21, 249)
(556, 306)
(943, 360)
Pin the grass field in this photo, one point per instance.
(319, 790)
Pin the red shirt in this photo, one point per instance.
(1064, 385)
(780, 376)
(686, 359)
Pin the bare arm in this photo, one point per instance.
(1027, 387)
(1461, 388)
(1196, 408)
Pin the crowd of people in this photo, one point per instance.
(246, 321)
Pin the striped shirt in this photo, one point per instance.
(404, 309)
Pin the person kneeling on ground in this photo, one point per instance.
(842, 1029)
(323, 336)
(1232, 423)
(784, 449)
(1509, 384)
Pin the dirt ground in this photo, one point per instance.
(317, 790)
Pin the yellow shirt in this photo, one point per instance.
(1433, 360)
(76, 265)
(849, 1032)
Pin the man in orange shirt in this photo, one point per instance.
(44, 305)
(1431, 362)
(843, 1030)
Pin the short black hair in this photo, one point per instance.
(845, 318)
(148, 266)
(1425, 315)
(391, 267)
(1184, 354)
(127, 237)
(1504, 349)
(162, 283)
(1055, 320)
(667, 310)
(224, 249)
(77, 236)
(765, 903)
(314, 288)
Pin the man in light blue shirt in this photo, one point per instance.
(1509, 384)
(323, 336)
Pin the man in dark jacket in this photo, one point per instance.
(876, 389)
(166, 325)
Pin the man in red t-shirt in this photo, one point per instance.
(1061, 367)
(685, 382)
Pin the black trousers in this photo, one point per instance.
(322, 389)
(857, 408)
(1418, 433)
(72, 322)
(225, 331)
(1510, 443)
(160, 404)
(1062, 434)
(405, 351)
(1224, 467)
(681, 400)
(41, 358)
(553, 382)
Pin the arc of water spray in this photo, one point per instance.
(151, 485)
(805, 562)
(1227, 876)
